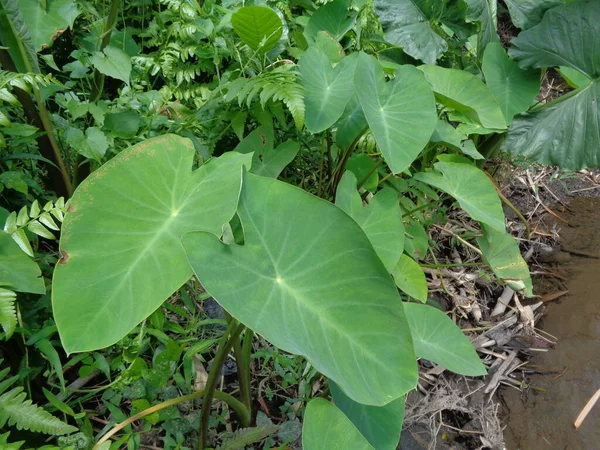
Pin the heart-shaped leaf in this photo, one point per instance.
(464, 92)
(528, 13)
(515, 89)
(333, 17)
(292, 283)
(380, 425)
(381, 219)
(327, 90)
(18, 270)
(351, 125)
(410, 278)
(120, 245)
(432, 332)
(401, 113)
(258, 26)
(113, 62)
(327, 428)
(471, 187)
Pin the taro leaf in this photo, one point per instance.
(410, 278)
(18, 270)
(309, 281)
(113, 62)
(401, 113)
(464, 92)
(121, 255)
(361, 166)
(381, 219)
(527, 13)
(411, 24)
(448, 135)
(267, 161)
(330, 47)
(502, 253)
(47, 20)
(351, 124)
(380, 425)
(438, 339)
(514, 88)
(471, 187)
(327, 90)
(327, 428)
(485, 13)
(332, 17)
(258, 26)
(573, 77)
(564, 132)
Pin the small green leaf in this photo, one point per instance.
(410, 278)
(113, 62)
(17, 269)
(258, 26)
(93, 144)
(417, 241)
(401, 113)
(124, 124)
(380, 425)
(438, 339)
(327, 428)
(446, 134)
(35, 227)
(8, 312)
(472, 188)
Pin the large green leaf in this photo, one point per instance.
(327, 90)
(485, 13)
(327, 428)
(309, 281)
(333, 17)
(464, 92)
(502, 253)
(121, 255)
(381, 219)
(410, 278)
(527, 13)
(258, 26)
(438, 339)
(401, 113)
(16, 38)
(408, 24)
(514, 88)
(18, 270)
(46, 20)
(471, 187)
(352, 123)
(380, 425)
(566, 131)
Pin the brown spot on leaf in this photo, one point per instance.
(63, 257)
(262, 138)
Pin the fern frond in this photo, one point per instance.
(8, 313)
(5, 445)
(25, 81)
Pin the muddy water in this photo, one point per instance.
(545, 420)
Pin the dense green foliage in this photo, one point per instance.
(284, 158)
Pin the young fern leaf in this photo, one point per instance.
(8, 313)
(21, 413)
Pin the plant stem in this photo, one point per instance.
(245, 361)
(373, 169)
(437, 266)
(231, 401)
(512, 207)
(98, 79)
(234, 329)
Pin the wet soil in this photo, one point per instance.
(571, 372)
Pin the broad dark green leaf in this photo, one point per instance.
(407, 24)
(485, 13)
(471, 187)
(121, 255)
(332, 17)
(308, 280)
(567, 36)
(464, 92)
(258, 26)
(410, 278)
(381, 219)
(380, 425)
(502, 253)
(361, 165)
(566, 131)
(352, 123)
(327, 428)
(328, 90)
(46, 20)
(514, 88)
(438, 339)
(401, 113)
(18, 270)
(528, 13)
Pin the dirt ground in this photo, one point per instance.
(570, 374)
